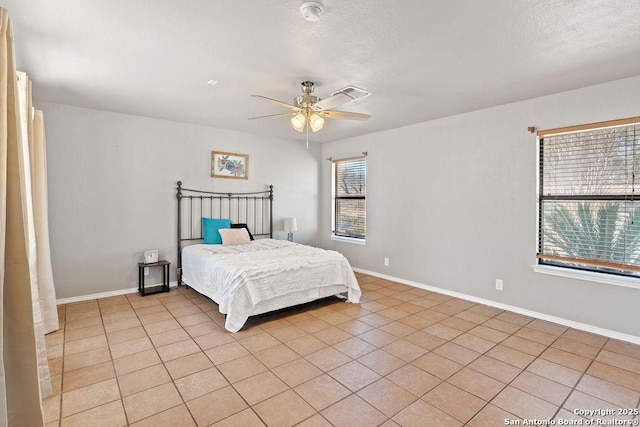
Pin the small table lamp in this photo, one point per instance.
(290, 225)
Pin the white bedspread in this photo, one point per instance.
(244, 279)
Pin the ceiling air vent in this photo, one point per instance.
(352, 92)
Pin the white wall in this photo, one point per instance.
(452, 204)
(112, 189)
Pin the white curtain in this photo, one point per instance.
(34, 162)
(38, 160)
(42, 290)
(27, 304)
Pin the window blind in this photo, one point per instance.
(588, 208)
(350, 197)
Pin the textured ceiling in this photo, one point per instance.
(421, 59)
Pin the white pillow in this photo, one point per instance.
(234, 236)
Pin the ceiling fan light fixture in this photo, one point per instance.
(311, 10)
(298, 121)
(316, 122)
(309, 111)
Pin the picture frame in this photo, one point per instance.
(229, 165)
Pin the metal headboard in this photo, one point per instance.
(254, 209)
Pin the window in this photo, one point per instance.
(349, 197)
(588, 209)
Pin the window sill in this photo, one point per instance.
(609, 279)
(348, 240)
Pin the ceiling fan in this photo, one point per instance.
(309, 111)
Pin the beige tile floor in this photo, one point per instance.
(404, 356)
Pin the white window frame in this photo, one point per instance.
(334, 236)
(568, 272)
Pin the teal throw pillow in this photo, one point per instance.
(210, 228)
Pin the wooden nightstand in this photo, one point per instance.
(164, 287)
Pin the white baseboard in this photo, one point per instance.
(565, 322)
(105, 294)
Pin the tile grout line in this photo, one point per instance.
(163, 362)
(580, 379)
(316, 412)
(290, 388)
(226, 379)
(113, 365)
(214, 366)
(483, 354)
(351, 317)
(529, 364)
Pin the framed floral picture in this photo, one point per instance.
(229, 165)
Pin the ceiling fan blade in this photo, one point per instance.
(272, 115)
(346, 115)
(284, 104)
(332, 102)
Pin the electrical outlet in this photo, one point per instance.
(499, 285)
(146, 271)
(386, 262)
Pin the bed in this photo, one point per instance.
(261, 274)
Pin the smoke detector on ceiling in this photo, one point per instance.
(311, 10)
